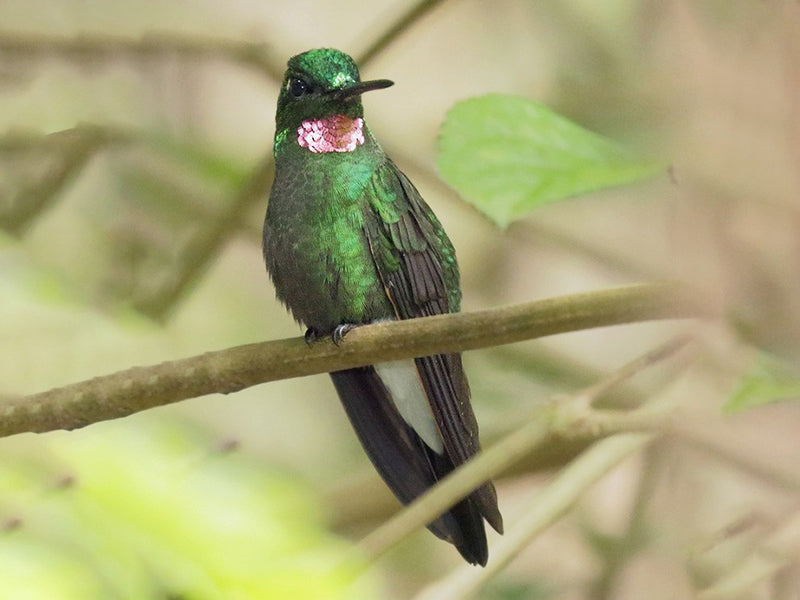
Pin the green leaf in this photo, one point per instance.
(770, 380)
(508, 155)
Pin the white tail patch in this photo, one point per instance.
(402, 380)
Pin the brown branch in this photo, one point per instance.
(232, 369)
(411, 16)
(91, 46)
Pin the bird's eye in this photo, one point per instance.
(298, 87)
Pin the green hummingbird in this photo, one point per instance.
(348, 240)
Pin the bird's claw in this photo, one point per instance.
(310, 336)
(341, 331)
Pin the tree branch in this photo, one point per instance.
(553, 502)
(772, 554)
(154, 44)
(413, 14)
(204, 244)
(224, 371)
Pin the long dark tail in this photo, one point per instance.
(408, 466)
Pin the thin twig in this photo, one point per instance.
(71, 149)
(411, 16)
(232, 369)
(196, 255)
(547, 507)
(600, 388)
(779, 549)
(150, 45)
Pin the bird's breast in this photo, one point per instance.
(319, 260)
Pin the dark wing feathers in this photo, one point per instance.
(457, 422)
(411, 252)
(404, 461)
(427, 290)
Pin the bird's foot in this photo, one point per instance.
(311, 336)
(341, 331)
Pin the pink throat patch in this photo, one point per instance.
(337, 133)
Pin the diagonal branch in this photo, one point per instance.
(71, 149)
(413, 14)
(224, 371)
(553, 502)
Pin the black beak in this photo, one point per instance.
(361, 87)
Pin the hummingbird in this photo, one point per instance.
(348, 240)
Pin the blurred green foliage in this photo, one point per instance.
(155, 509)
(770, 380)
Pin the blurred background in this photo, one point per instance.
(135, 145)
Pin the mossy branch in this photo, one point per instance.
(224, 371)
